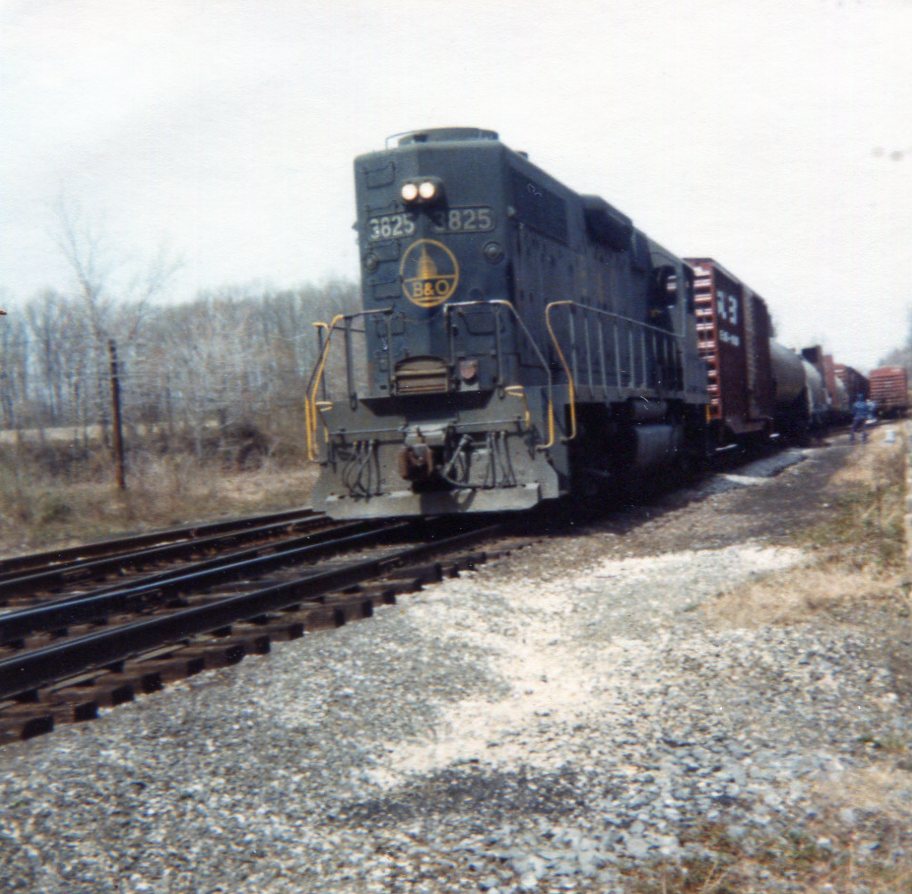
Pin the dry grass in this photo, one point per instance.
(38, 511)
(856, 555)
(825, 857)
(812, 861)
(797, 595)
(881, 787)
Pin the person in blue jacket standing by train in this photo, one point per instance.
(861, 412)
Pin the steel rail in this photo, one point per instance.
(97, 568)
(26, 673)
(18, 564)
(85, 609)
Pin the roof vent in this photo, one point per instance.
(606, 224)
(443, 135)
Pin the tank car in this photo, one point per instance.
(517, 341)
(791, 394)
(816, 395)
(840, 405)
(816, 390)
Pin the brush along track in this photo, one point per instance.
(159, 631)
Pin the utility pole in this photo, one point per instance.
(117, 433)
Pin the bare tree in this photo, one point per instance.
(115, 306)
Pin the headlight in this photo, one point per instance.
(427, 190)
(409, 192)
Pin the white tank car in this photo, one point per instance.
(815, 391)
(790, 378)
(788, 371)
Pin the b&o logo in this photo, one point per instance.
(429, 271)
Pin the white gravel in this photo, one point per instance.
(543, 724)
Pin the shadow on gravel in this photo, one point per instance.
(484, 795)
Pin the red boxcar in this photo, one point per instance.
(890, 390)
(733, 332)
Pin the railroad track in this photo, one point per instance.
(64, 658)
(93, 626)
(35, 576)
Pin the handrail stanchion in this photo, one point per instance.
(498, 347)
(450, 337)
(617, 352)
(633, 361)
(644, 371)
(574, 351)
(310, 398)
(388, 314)
(322, 335)
(571, 387)
(349, 364)
(588, 339)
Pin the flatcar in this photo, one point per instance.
(518, 341)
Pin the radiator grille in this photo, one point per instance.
(422, 375)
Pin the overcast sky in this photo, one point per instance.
(773, 136)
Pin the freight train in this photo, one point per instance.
(518, 341)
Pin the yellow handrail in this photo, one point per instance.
(309, 422)
(570, 385)
(310, 400)
(312, 406)
(520, 392)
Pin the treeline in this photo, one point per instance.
(232, 363)
(899, 357)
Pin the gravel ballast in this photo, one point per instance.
(561, 720)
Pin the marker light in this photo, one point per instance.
(409, 192)
(427, 190)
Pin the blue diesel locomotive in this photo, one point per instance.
(517, 341)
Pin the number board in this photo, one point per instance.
(462, 220)
(390, 226)
(476, 219)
